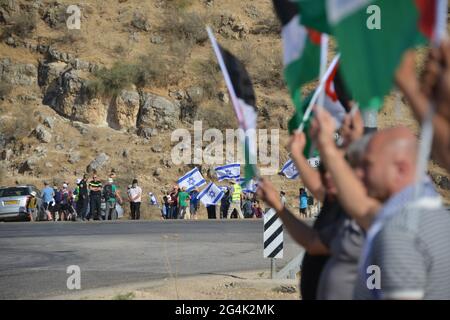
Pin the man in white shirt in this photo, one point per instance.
(135, 197)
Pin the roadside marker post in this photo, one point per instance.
(273, 239)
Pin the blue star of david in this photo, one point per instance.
(212, 193)
(228, 171)
(191, 181)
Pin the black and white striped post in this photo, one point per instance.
(273, 238)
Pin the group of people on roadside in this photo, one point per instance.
(381, 233)
(179, 204)
(89, 199)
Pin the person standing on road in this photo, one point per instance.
(95, 188)
(247, 207)
(303, 199)
(236, 198)
(173, 203)
(47, 197)
(183, 198)
(194, 203)
(111, 195)
(83, 198)
(31, 206)
(135, 197)
(283, 198)
(225, 204)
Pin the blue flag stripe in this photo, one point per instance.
(187, 175)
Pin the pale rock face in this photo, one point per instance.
(158, 112)
(126, 109)
(65, 92)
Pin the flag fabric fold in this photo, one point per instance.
(369, 57)
(289, 170)
(211, 195)
(191, 180)
(242, 96)
(228, 171)
(301, 49)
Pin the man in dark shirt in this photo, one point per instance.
(83, 198)
(95, 188)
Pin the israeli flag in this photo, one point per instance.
(289, 170)
(191, 180)
(314, 162)
(211, 194)
(229, 171)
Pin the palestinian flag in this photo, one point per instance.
(243, 99)
(369, 57)
(336, 102)
(301, 49)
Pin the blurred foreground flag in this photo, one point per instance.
(301, 49)
(242, 96)
(372, 36)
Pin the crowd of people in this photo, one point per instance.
(382, 233)
(89, 199)
(179, 204)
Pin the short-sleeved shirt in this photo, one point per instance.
(47, 194)
(312, 265)
(95, 184)
(183, 196)
(345, 240)
(194, 201)
(413, 262)
(133, 192)
(303, 201)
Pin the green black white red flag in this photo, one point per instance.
(242, 96)
(370, 56)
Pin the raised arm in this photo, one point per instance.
(351, 193)
(303, 234)
(309, 176)
(434, 86)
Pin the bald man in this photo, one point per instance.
(406, 253)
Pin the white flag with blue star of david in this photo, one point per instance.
(191, 180)
(228, 171)
(211, 194)
(289, 170)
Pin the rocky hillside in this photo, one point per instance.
(110, 94)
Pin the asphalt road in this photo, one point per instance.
(34, 256)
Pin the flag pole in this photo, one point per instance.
(234, 100)
(426, 134)
(323, 65)
(319, 89)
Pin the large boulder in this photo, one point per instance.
(158, 112)
(42, 134)
(125, 111)
(98, 162)
(66, 92)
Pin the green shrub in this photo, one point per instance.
(209, 76)
(22, 26)
(110, 82)
(185, 25)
